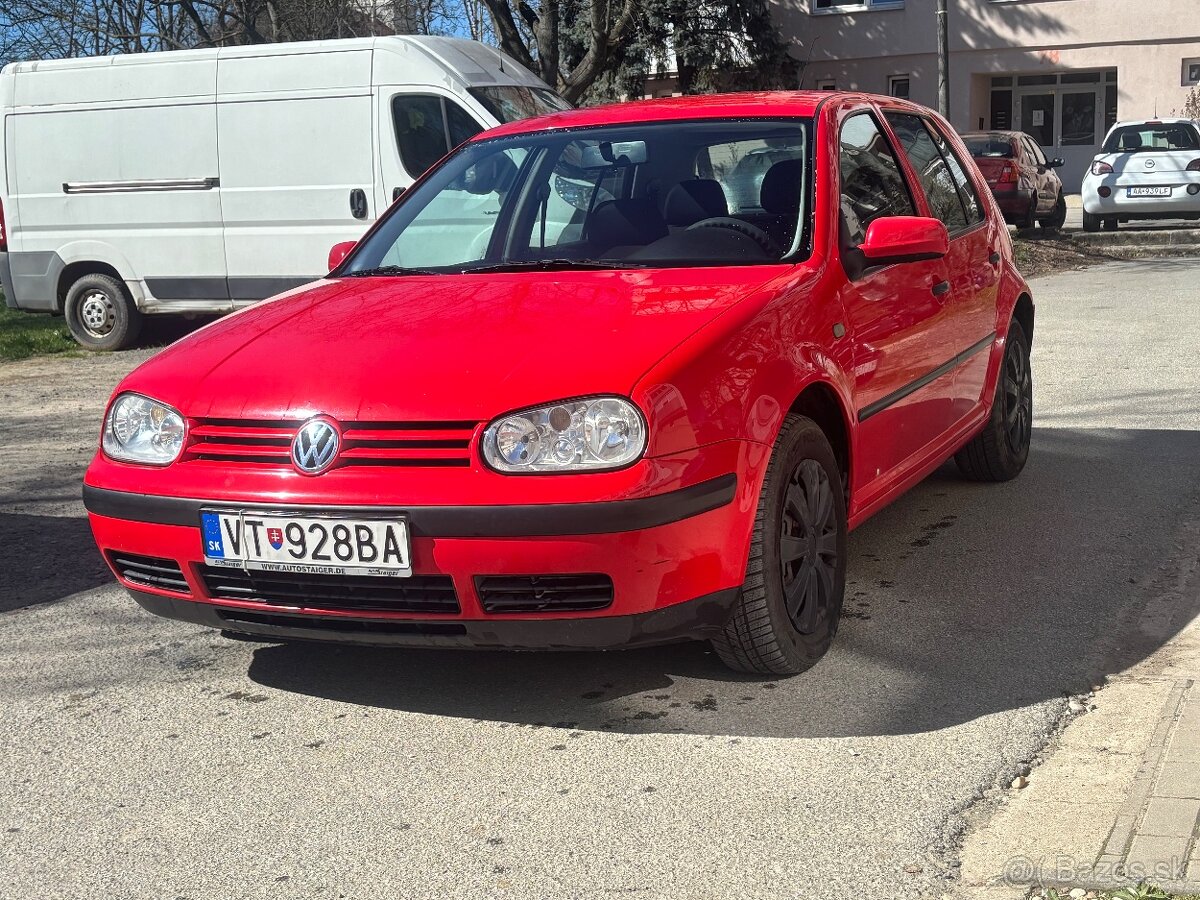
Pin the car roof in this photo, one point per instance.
(751, 104)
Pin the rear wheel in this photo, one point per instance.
(1091, 223)
(1030, 218)
(787, 611)
(101, 315)
(999, 452)
(1058, 216)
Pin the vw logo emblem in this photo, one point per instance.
(315, 446)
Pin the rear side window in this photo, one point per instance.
(950, 193)
(872, 185)
(427, 128)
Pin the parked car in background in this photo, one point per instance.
(203, 180)
(1146, 169)
(1020, 177)
(654, 421)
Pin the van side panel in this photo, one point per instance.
(290, 159)
(127, 184)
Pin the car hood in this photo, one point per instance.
(440, 348)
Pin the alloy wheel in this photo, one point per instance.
(1018, 396)
(808, 546)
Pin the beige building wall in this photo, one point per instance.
(1148, 45)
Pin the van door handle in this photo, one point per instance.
(358, 203)
(941, 288)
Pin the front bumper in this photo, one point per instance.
(675, 558)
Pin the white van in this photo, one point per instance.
(202, 180)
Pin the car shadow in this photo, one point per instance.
(46, 558)
(962, 600)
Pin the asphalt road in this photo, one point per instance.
(145, 758)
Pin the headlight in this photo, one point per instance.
(574, 436)
(138, 429)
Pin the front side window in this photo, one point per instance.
(709, 192)
(427, 128)
(871, 184)
(966, 190)
(933, 171)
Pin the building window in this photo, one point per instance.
(1191, 71)
(826, 84)
(836, 6)
(898, 86)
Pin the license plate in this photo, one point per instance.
(277, 542)
(1148, 192)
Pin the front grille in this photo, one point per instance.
(362, 593)
(543, 593)
(341, 626)
(150, 571)
(268, 442)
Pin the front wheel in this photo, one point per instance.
(101, 315)
(999, 452)
(1058, 215)
(787, 611)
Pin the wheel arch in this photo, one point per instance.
(822, 403)
(1023, 313)
(82, 258)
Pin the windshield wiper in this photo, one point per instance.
(390, 271)
(553, 265)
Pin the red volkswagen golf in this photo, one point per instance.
(610, 377)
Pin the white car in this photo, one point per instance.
(1145, 170)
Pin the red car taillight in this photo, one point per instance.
(1193, 166)
(3, 233)
(1099, 167)
(1008, 174)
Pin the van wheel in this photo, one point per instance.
(787, 610)
(1091, 223)
(101, 315)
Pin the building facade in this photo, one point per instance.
(1061, 70)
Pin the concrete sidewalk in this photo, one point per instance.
(1116, 798)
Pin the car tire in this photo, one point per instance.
(101, 315)
(1058, 215)
(1000, 451)
(1091, 223)
(1110, 223)
(1030, 217)
(787, 610)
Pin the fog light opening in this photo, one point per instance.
(1194, 189)
(1105, 191)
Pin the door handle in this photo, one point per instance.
(941, 288)
(396, 192)
(994, 259)
(358, 203)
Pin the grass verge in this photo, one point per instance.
(23, 335)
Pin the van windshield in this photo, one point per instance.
(662, 194)
(508, 103)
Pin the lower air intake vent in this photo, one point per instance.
(150, 571)
(365, 593)
(543, 593)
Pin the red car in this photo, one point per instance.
(1027, 189)
(579, 389)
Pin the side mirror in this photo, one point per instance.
(340, 252)
(1056, 163)
(901, 239)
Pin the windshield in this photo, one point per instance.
(1150, 136)
(661, 194)
(988, 146)
(510, 102)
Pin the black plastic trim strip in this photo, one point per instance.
(534, 520)
(913, 386)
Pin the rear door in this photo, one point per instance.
(973, 261)
(896, 314)
(297, 165)
(1043, 176)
